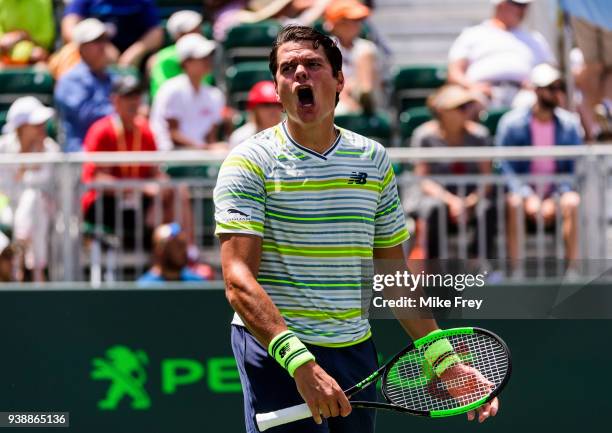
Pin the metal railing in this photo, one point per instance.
(77, 254)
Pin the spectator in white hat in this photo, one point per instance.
(496, 57)
(27, 187)
(544, 124)
(186, 113)
(82, 95)
(166, 64)
(135, 25)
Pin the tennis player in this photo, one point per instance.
(298, 207)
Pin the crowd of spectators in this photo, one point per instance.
(118, 88)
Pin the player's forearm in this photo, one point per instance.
(134, 54)
(181, 140)
(255, 308)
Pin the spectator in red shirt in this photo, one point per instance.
(126, 130)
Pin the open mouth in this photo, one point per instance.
(305, 96)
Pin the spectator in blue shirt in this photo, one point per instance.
(170, 257)
(544, 124)
(82, 95)
(134, 25)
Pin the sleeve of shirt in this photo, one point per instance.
(168, 103)
(219, 108)
(240, 194)
(78, 7)
(150, 14)
(544, 52)
(390, 223)
(460, 49)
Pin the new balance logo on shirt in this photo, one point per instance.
(358, 177)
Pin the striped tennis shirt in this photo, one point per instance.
(320, 216)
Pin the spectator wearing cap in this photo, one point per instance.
(186, 113)
(170, 257)
(360, 64)
(82, 95)
(27, 187)
(134, 25)
(264, 109)
(126, 131)
(166, 64)
(592, 24)
(497, 56)
(544, 124)
(452, 107)
(25, 37)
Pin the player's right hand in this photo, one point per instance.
(321, 392)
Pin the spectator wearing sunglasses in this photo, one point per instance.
(170, 257)
(453, 106)
(544, 124)
(496, 57)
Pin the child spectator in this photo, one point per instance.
(186, 113)
(265, 111)
(170, 257)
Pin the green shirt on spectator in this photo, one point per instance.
(33, 16)
(166, 66)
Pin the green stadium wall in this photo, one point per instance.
(168, 354)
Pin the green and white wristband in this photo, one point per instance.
(289, 351)
(441, 355)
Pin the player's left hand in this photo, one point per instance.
(472, 386)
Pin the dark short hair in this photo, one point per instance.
(294, 33)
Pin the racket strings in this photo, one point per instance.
(411, 383)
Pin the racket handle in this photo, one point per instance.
(282, 416)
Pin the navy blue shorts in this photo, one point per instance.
(268, 387)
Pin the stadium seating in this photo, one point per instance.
(239, 79)
(376, 126)
(25, 82)
(410, 120)
(250, 42)
(490, 118)
(412, 84)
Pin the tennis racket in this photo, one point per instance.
(410, 385)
